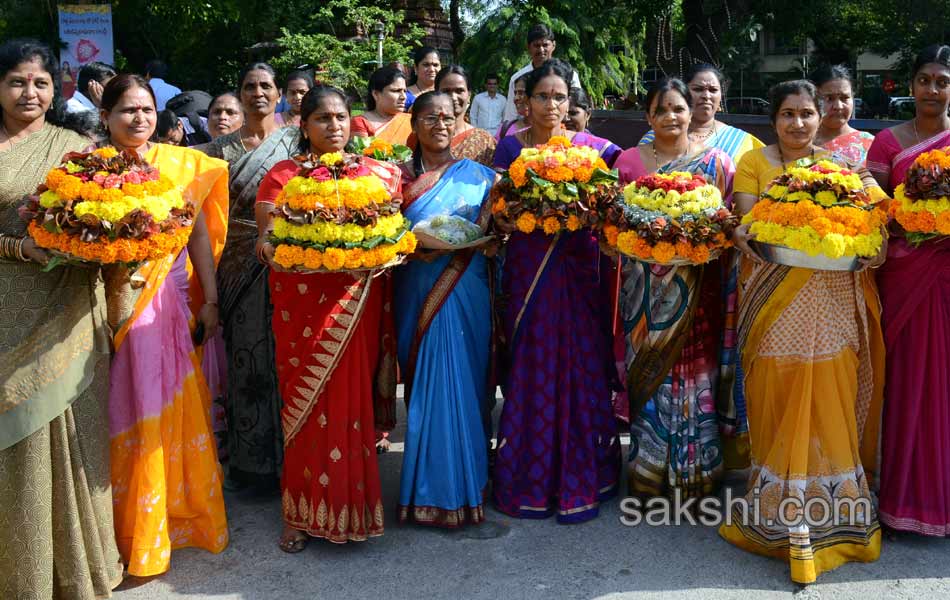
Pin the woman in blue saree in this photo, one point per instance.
(558, 448)
(444, 332)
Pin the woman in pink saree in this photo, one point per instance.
(914, 283)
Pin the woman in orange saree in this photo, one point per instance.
(385, 117)
(335, 348)
(166, 479)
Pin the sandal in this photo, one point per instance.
(382, 446)
(293, 545)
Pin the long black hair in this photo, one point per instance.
(378, 82)
(423, 101)
(418, 56)
(18, 51)
(312, 101)
(454, 70)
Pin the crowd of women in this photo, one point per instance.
(109, 380)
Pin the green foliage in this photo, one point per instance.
(603, 41)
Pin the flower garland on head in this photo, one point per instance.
(667, 217)
(818, 208)
(336, 214)
(553, 187)
(922, 203)
(108, 207)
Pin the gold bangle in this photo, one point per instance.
(19, 250)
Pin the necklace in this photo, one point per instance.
(709, 132)
(781, 156)
(916, 133)
(656, 157)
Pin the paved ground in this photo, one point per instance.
(598, 560)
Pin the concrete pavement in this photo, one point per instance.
(598, 560)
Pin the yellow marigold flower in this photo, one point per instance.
(90, 191)
(560, 140)
(551, 225)
(331, 158)
(312, 259)
(334, 259)
(526, 222)
(407, 244)
(133, 189)
(106, 152)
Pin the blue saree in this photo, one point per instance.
(443, 324)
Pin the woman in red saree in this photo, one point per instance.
(914, 283)
(335, 350)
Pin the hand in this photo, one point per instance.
(490, 249)
(264, 249)
(208, 316)
(877, 261)
(505, 227)
(95, 92)
(428, 255)
(34, 252)
(741, 237)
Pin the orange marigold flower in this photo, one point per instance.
(518, 172)
(407, 243)
(664, 252)
(353, 258)
(943, 223)
(700, 254)
(334, 259)
(312, 259)
(526, 222)
(583, 174)
(133, 189)
(560, 140)
(90, 191)
(684, 249)
(926, 222)
(107, 152)
(499, 206)
(573, 223)
(551, 225)
(611, 232)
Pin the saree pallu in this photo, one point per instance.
(444, 332)
(331, 332)
(56, 529)
(813, 359)
(165, 473)
(914, 283)
(558, 448)
(254, 440)
(673, 323)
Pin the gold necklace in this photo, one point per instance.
(710, 132)
(781, 156)
(656, 157)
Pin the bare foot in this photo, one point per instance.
(292, 540)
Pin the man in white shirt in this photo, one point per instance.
(92, 79)
(489, 106)
(541, 47)
(155, 73)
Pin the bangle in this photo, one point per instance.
(19, 250)
(11, 247)
(215, 303)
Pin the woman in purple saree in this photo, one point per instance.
(914, 283)
(558, 449)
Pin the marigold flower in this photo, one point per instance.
(551, 225)
(526, 222)
(664, 252)
(573, 223)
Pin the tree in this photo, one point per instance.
(604, 41)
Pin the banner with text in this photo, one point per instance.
(86, 30)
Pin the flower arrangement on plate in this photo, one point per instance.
(821, 212)
(336, 215)
(108, 207)
(378, 149)
(675, 218)
(922, 203)
(553, 187)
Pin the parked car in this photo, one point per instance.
(901, 107)
(861, 109)
(747, 105)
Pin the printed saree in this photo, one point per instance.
(915, 285)
(853, 146)
(731, 140)
(254, 440)
(165, 473)
(336, 367)
(813, 359)
(443, 325)
(673, 322)
(558, 449)
(56, 531)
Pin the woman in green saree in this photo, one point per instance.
(56, 534)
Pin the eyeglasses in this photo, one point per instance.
(432, 120)
(559, 99)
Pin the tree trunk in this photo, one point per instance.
(458, 34)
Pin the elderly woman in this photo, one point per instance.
(836, 94)
(467, 141)
(813, 356)
(56, 535)
(257, 86)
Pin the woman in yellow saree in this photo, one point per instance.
(165, 474)
(813, 357)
